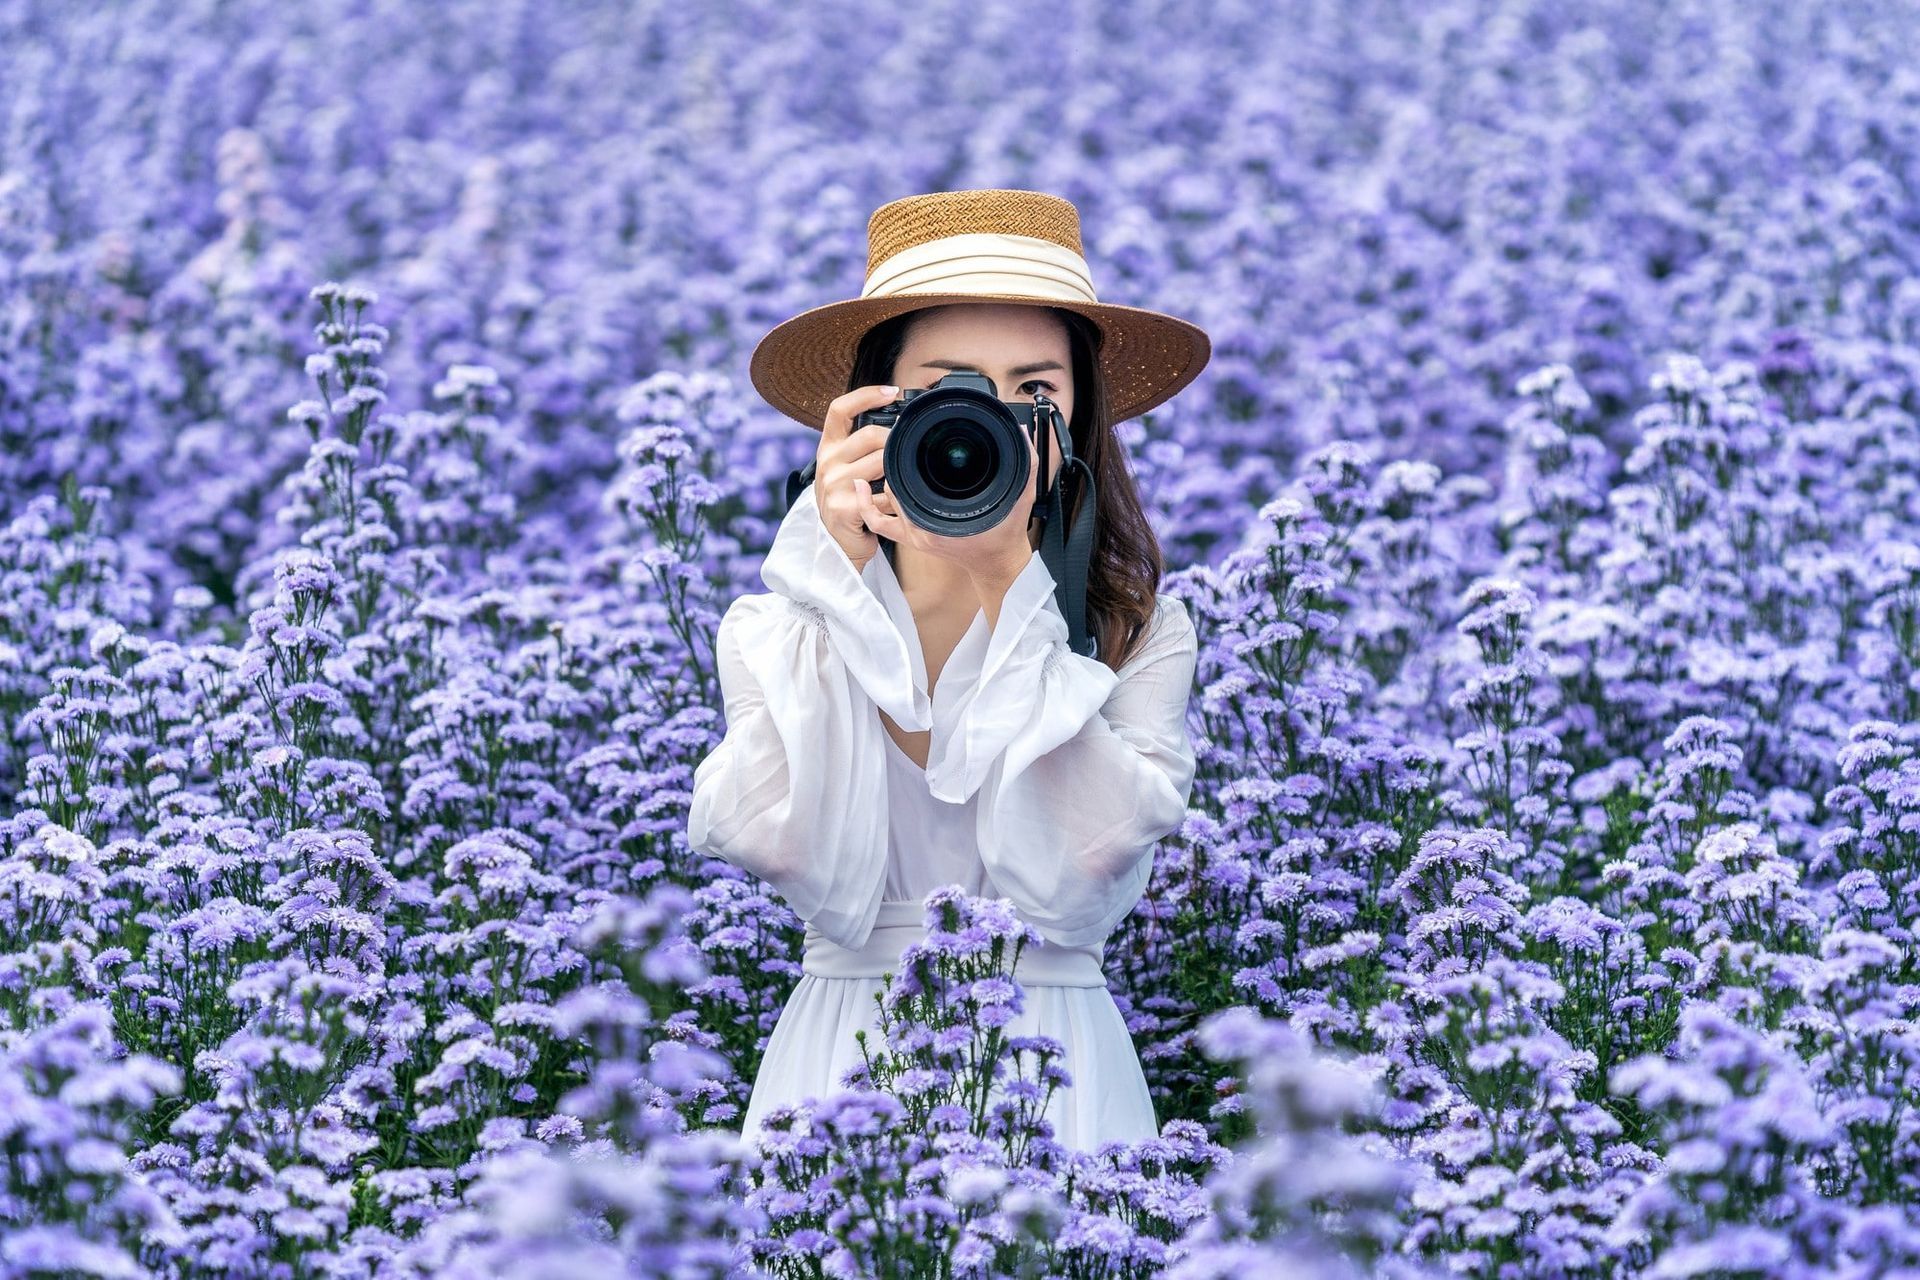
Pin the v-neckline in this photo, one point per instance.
(894, 600)
(901, 751)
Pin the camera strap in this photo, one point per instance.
(797, 480)
(1067, 554)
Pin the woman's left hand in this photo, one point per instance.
(1001, 551)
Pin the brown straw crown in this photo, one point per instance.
(918, 219)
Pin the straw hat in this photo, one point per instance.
(993, 245)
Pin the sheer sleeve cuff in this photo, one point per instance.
(811, 570)
(1031, 686)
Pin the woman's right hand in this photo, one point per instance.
(845, 467)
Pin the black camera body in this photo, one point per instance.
(956, 455)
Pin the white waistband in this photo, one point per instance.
(900, 925)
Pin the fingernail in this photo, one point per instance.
(891, 391)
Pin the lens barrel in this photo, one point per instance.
(957, 456)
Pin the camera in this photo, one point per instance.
(957, 454)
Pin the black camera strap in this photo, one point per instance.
(1068, 555)
(798, 480)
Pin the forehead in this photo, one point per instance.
(996, 334)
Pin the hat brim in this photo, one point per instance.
(803, 363)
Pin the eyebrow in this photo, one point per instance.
(1018, 371)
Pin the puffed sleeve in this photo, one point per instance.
(1080, 769)
(795, 793)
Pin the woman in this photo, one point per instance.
(905, 720)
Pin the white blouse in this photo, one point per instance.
(1050, 779)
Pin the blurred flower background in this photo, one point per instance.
(377, 458)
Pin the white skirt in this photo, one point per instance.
(813, 1045)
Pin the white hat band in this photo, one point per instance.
(984, 262)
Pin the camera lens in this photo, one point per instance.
(956, 459)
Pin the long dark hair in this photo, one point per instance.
(1124, 573)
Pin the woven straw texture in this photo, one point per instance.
(803, 363)
(902, 224)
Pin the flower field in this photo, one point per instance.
(377, 460)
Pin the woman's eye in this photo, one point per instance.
(1038, 383)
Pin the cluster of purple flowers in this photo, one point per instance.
(1547, 904)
